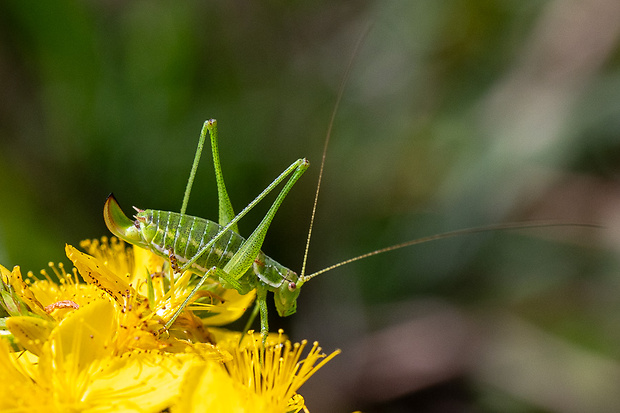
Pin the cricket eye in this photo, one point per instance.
(292, 286)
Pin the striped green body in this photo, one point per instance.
(185, 235)
(170, 234)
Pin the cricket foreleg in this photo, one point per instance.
(261, 301)
(247, 253)
(244, 257)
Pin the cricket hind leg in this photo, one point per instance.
(226, 211)
(244, 257)
(249, 250)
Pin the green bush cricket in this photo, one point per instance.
(216, 250)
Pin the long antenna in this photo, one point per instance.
(341, 88)
(507, 226)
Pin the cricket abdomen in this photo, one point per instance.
(182, 236)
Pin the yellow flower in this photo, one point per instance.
(18, 392)
(271, 375)
(98, 346)
(77, 370)
(41, 303)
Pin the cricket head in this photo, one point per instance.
(133, 232)
(286, 294)
(283, 282)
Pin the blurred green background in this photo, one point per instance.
(457, 114)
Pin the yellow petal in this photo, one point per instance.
(18, 392)
(211, 389)
(31, 332)
(139, 382)
(110, 252)
(233, 306)
(83, 337)
(94, 272)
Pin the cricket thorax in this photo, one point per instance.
(271, 272)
